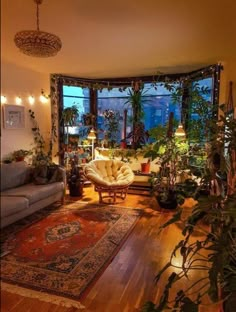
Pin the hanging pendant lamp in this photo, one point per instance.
(37, 43)
(180, 133)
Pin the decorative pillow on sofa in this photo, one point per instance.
(44, 174)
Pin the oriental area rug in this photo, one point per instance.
(62, 251)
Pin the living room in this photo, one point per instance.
(111, 42)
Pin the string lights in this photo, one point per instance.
(19, 100)
(159, 79)
(3, 99)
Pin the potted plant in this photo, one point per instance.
(89, 119)
(75, 179)
(19, 155)
(70, 115)
(172, 154)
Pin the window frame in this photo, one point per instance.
(57, 81)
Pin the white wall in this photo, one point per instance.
(18, 81)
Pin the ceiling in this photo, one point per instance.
(105, 38)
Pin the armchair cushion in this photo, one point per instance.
(109, 172)
(110, 176)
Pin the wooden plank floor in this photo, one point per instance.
(128, 281)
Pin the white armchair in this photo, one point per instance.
(110, 177)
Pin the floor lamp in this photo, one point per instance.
(92, 137)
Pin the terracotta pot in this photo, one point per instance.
(20, 158)
(145, 167)
(123, 144)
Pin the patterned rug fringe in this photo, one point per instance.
(68, 303)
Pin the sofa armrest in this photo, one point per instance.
(62, 171)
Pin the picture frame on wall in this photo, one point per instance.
(14, 116)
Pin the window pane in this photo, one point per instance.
(80, 97)
(110, 108)
(158, 105)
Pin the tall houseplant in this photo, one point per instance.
(111, 125)
(171, 153)
(138, 135)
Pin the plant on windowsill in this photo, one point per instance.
(70, 115)
(139, 136)
(111, 126)
(89, 119)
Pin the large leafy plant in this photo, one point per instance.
(215, 251)
(171, 153)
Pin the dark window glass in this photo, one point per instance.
(158, 105)
(110, 114)
(80, 97)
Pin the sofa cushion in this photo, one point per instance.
(34, 192)
(13, 204)
(14, 174)
(44, 174)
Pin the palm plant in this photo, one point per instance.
(138, 134)
(70, 115)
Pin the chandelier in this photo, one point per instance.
(36, 42)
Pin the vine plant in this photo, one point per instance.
(40, 155)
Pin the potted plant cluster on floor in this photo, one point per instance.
(214, 252)
(172, 155)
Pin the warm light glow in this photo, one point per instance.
(31, 100)
(43, 98)
(180, 133)
(18, 100)
(3, 99)
(91, 135)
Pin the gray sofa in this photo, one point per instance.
(21, 196)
